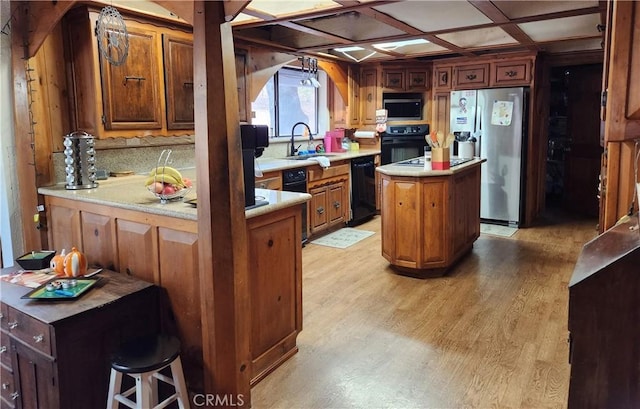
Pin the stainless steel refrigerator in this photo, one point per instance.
(497, 118)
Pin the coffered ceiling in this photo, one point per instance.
(450, 28)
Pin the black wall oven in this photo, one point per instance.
(401, 142)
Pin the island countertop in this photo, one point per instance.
(129, 192)
(396, 169)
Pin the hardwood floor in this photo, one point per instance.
(490, 334)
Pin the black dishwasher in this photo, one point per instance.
(363, 189)
(295, 180)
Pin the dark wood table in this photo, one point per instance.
(56, 353)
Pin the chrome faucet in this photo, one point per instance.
(293, 149)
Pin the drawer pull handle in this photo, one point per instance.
(3, 349)
(134, 78)
(38, 338)
(472, 77)
(336, 205)
(13, 325)
(320, 210)
(14, 395)
(511, 73)
(1, 315)
(5, 385)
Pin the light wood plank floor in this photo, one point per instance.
(490, 334)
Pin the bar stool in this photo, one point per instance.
(143, 359)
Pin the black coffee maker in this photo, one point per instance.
(254, 139)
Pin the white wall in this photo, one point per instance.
(10, 225)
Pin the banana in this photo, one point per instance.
(164, 178)
(165, 174)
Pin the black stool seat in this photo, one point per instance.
(146, 354)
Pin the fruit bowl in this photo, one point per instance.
(179, 194)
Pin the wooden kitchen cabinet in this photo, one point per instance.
(142, 96)
(59, 352)
(471, 76)
(242, 77)
(604, 311)
(178, 74)
(442, 77)
(270, 180)
(99, 239)
(430, 222)
(354, 102)
(369, 95)
(406, 79)
(276, 299)
(511, 73)
(441, 112)
(329, 188)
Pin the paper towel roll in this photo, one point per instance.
(364, 134)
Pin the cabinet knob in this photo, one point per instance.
(38, 338)
(14, 395)
(5, 385)
(320, 210)
(13, 325)
(472, 77)
(3, 349)
(511, 73)
(1, 315)
(336, 205)
(369, 97)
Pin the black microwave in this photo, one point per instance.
(403, 109)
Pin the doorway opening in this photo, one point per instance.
(574, 150)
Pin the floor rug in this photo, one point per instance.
(497, 230)
(343, 238)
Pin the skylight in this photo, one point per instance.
(397, 44)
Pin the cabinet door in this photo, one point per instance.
(99, 240)
(394, 79)
(435, 213)
(336, 203)
(442, 78)
(406, 213)
(138, 250)
(369, 93)
(354, 95)
(35, 378)
(243, 89)
(417, 79)
(64, 227)
(178, 74)
(472, 76)
(273, 283)
(178, 255)
(441, 112)
(509, 73)
(338, 114)
(318, 216)
(131, 91)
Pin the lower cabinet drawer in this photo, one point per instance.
(29, 331)
(7, 387)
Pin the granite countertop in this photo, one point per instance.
(129, 192)
(274, 164)
(395, 169)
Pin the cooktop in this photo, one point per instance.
(420, 161)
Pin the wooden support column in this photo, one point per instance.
(222, 238)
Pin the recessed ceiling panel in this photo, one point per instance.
(561, 28)
(421, 49)
(353, 26)
(281, 8)
(573, 45)
(482, 37)
(283, 36)
(519, 9)
(435, 15)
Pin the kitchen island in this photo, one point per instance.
(430, 218)
(122, 226)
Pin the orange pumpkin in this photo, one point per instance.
(57, 263)
(75, 263)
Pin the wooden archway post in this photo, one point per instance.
(222, 241)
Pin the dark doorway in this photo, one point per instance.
(574, 151)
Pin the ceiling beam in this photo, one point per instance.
(36, 19)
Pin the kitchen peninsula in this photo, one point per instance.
(122, 226)
(430, 218)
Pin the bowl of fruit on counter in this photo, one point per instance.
(167, 183)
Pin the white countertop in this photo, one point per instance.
(273, 164)
(129, 192)
(394, 169)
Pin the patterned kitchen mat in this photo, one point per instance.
(497, 230)
(343, 238)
